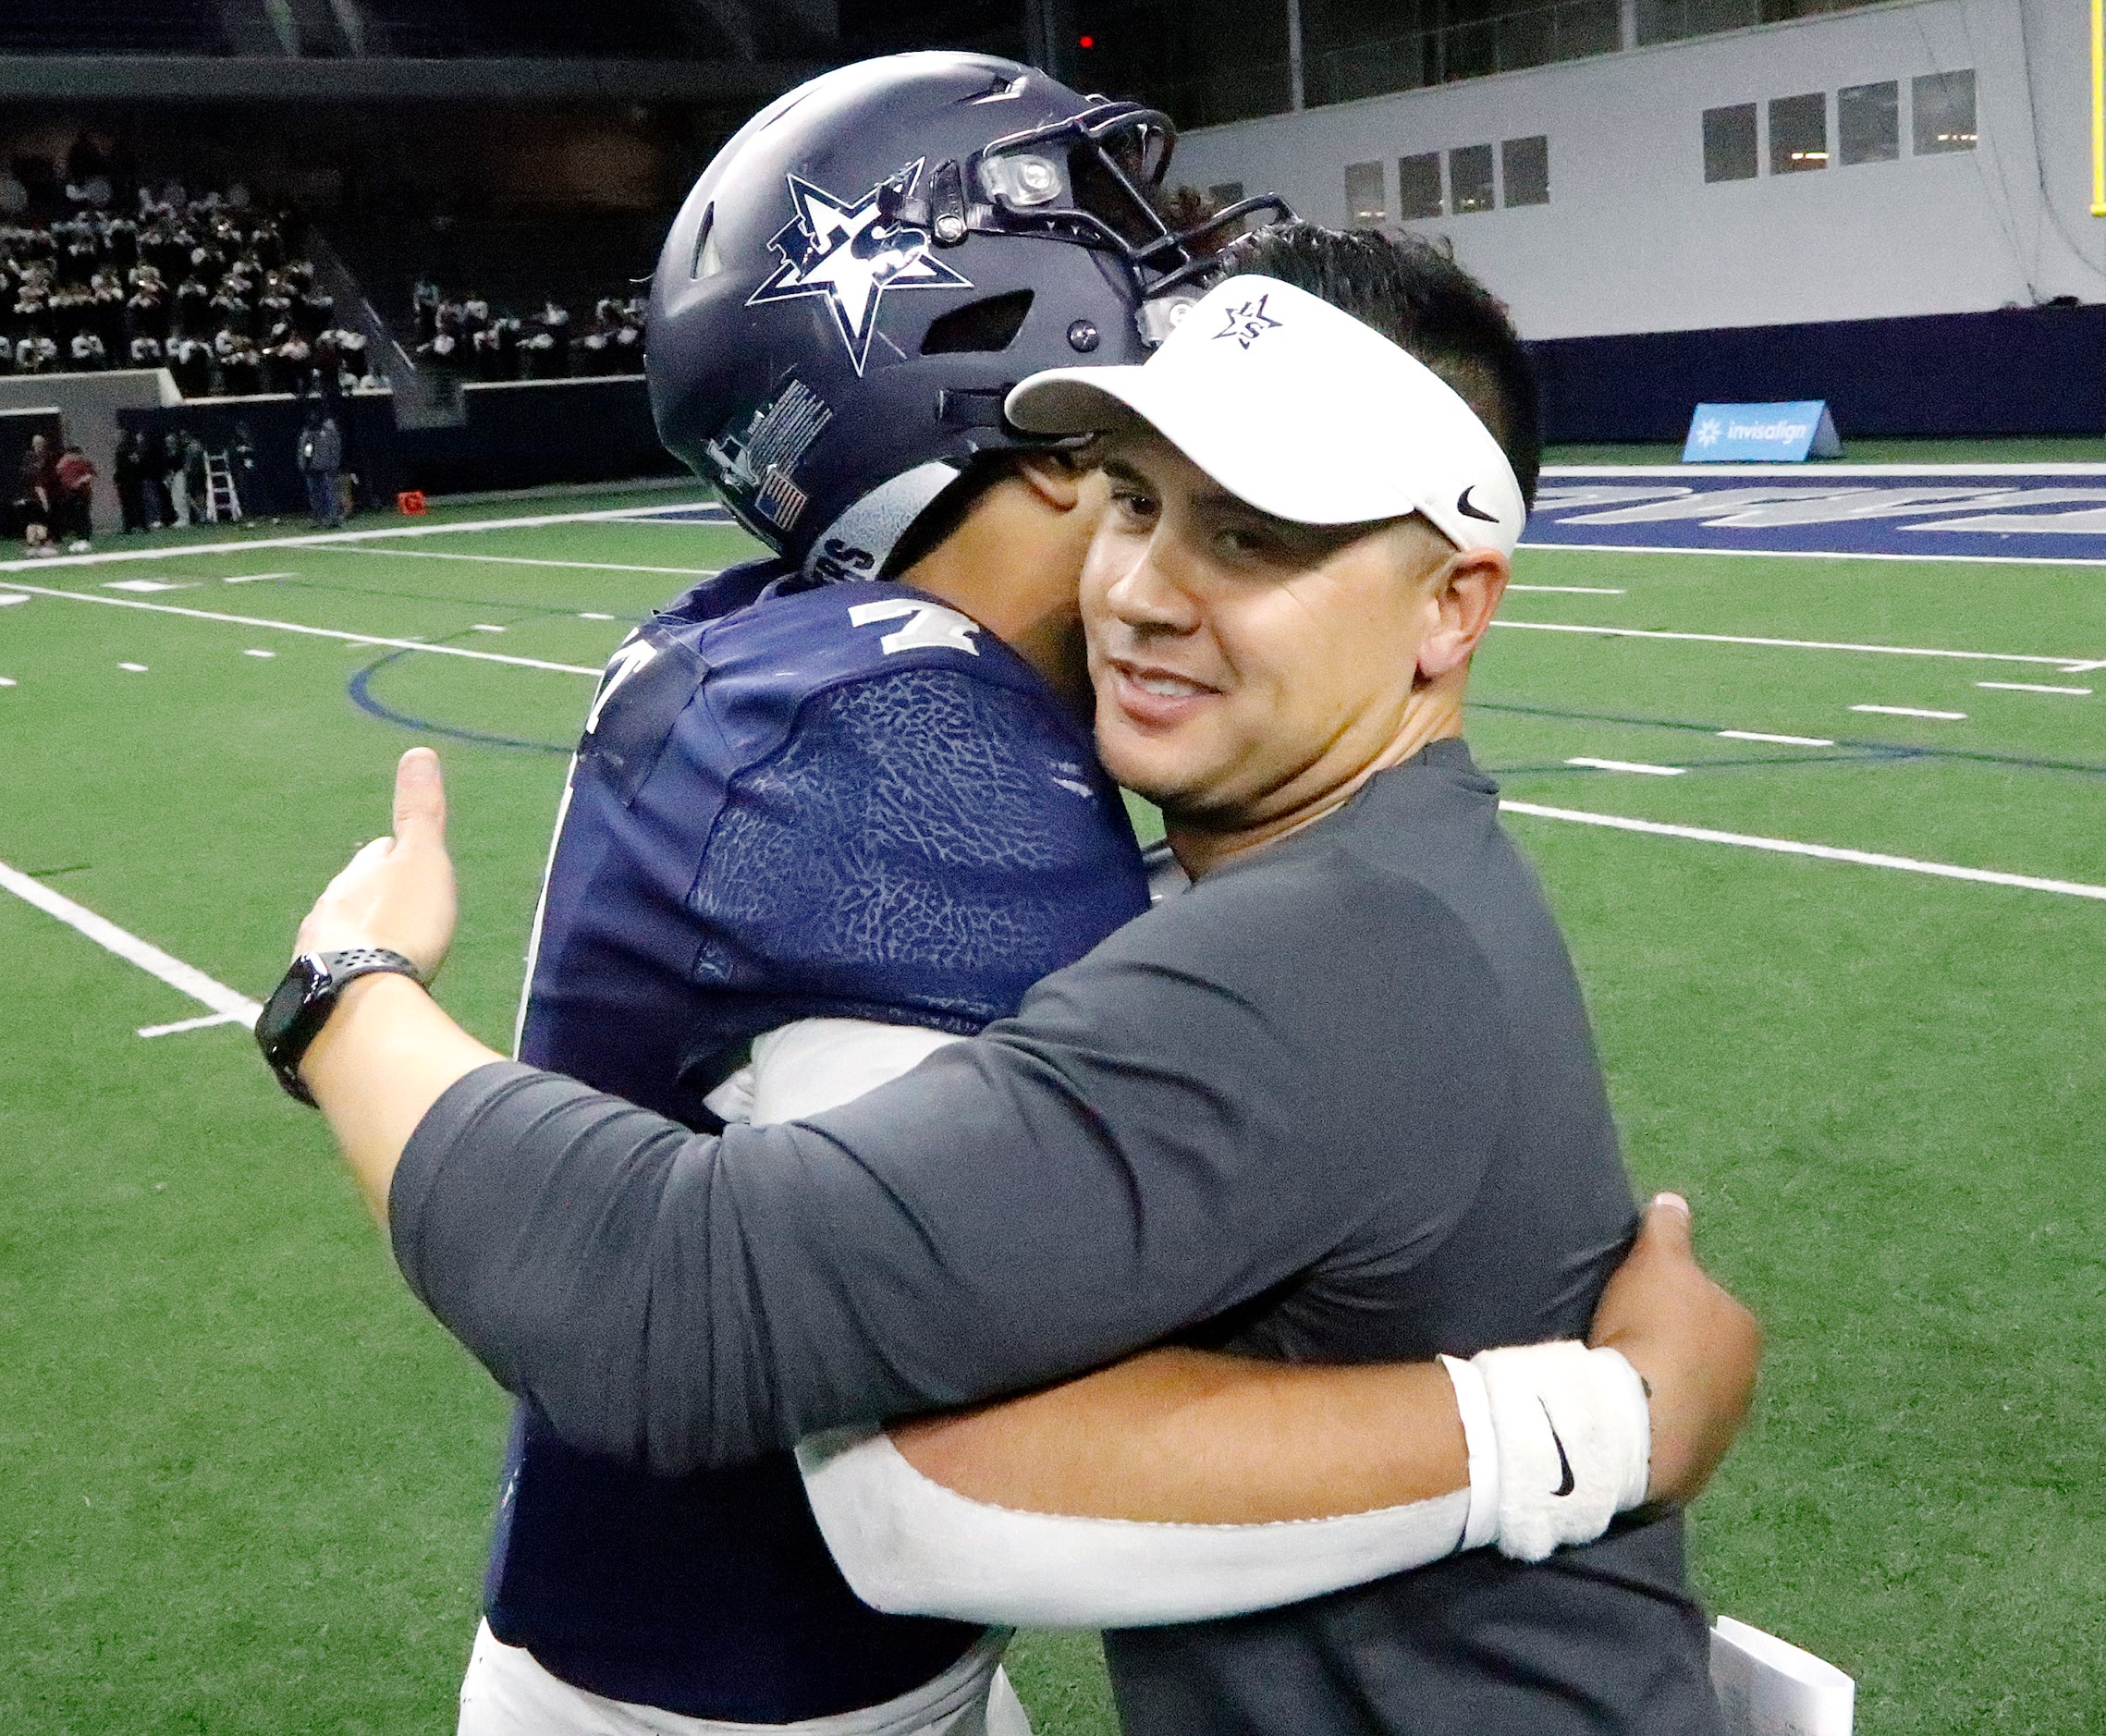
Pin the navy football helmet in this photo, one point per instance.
(875, 259)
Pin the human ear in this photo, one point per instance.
(1464, 596)
(1054, 477)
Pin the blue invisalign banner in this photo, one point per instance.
(1781, 434)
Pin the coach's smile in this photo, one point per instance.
(1154, 697)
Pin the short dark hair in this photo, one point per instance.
(1410, 288)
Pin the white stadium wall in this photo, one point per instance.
(1634, 239)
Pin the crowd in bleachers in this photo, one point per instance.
(470, 337)
(206, 286)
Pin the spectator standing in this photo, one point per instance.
(194, 474)
(424, 306)
(129, 474)
(158, 506)
(35, 494)
(174, 477)
(321, 458)
(73, 513)
(241, 454)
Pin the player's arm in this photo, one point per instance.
(679, 1300)
(1181, 1484)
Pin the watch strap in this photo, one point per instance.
(300, 1006)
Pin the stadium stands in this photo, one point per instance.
(113, 27)
(517, 267)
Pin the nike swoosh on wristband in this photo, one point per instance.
(1463, 506)
(1564, 1463)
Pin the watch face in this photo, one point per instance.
(281, 1012)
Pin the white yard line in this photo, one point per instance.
(1576, 591)
(226, 1007)
(1913, 711)
(2035, 687)
(1630, 766)
(316, 632)
(324, 539)
(1826, 853)
(1789, 741)
(203, 1021)
(2069, 666)
(521, 560)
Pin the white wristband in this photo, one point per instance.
(1573, 1432)
(1476, 1408)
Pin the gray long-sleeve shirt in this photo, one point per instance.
(1339, 1101)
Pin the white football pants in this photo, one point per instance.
(507, 1692)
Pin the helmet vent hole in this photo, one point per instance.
(708, 261)
(980, 327)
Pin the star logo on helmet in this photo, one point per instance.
(850, 252)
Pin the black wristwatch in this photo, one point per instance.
(302, 1004)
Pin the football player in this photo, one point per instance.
(833, 808)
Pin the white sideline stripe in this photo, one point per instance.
(320, 632)
(1577, 591)
(228, 1006)
(1630, 766)
(1913, 711)
(2033, 687)
(322, 539)
(256, 578)
(523, 560)
(1790, 742)
(2069, 666)
(199, 1024)
(1820, 554)
(1826, 853)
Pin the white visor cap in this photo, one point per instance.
(1301, 410)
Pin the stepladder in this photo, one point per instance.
(222, 500)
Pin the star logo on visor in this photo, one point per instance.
(1249, 322)
(851, 252)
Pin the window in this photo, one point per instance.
(1363, 206)
(1944, 112)
(1224, 194)
(1470, 178)
(1418, 186)
(1524, 169)
(1729, 143)
(1868, 122)
(1798, 133)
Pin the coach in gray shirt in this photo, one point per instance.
(1339, 1101)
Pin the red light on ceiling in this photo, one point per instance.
(1087, 42)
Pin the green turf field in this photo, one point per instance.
(249, 1482)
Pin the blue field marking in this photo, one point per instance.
(1900, 512)
(359, 688)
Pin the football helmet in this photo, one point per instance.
(875, 259)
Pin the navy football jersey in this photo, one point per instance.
(844, 801)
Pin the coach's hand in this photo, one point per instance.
(396, 892)
(1696, 1347)
(388, 1053)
